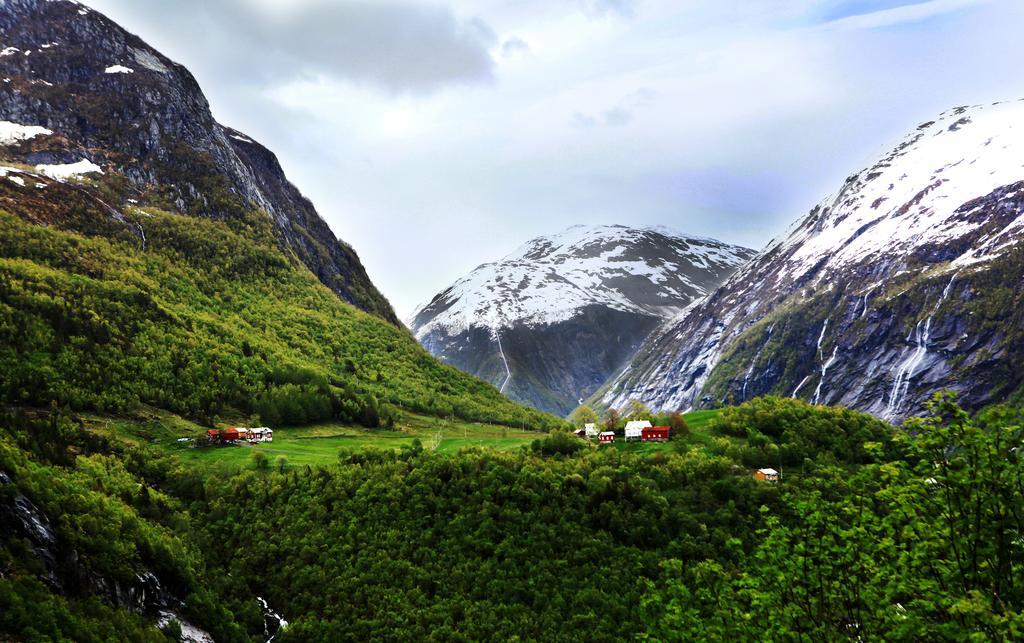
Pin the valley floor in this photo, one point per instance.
(320, 444)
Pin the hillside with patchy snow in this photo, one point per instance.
(81, 94)
(906, 281)
(552, 320)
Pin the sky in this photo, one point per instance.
(436, 135)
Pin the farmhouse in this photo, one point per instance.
(655, 434)
(767, 475)
(634, 429)
(261, 434)
(606, 436)
(229, 434)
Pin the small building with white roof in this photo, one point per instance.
(635, 428)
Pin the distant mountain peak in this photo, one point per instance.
(552, 319)
(647, 270)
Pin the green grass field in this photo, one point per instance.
(320, 444)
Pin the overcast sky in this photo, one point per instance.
(437, 135)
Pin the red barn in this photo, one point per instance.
(213, 435)
(606, 436)
(655, 434)
(229, 435)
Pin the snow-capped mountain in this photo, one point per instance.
(551, 321)
(906, 281)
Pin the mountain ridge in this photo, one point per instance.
(881, 278)
(65, 64)
(550, 321)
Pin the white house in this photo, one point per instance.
(634, 429)
(591, 430)
(261, 434)
(767, 475)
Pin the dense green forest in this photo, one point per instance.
(208, 318)
(874, 532)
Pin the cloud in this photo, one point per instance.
(736, 117)
(621, 114)
(618, 117)
(401, 46)
(513, 46)
(905, 14)
(600, 8)
(582, 121)
(643, 97)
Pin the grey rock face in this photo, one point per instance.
(110, 98)
(907, 282)
(552, 321)
(64, 573)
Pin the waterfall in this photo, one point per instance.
(800, 385)
(508, 371)
(824, 369)
(821, 337)
(750, 371)
(824, 365)
(864, 310)
(907, 370)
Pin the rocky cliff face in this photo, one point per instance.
(552, 321)
(101, 96)
(907, 281)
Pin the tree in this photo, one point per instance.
(260, 461)
(611, 419)
(637, 410)
(583, 415)
(678, 424)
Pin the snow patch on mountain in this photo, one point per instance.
(12, 133)
(908, 197)
(946, 198)
(550, 279)
(69, 170)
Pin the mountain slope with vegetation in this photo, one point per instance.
(210, 319)
(97, 94)
(145, 296)
(909, 280)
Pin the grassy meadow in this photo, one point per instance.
(319, 444)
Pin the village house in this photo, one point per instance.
(606, 436)
(655, 434)
(766, 475)
(260, 434)
(236, 434)
(634, 429)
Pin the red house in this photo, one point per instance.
(655, 434)
(229, 435)
(213, 435)
(606, 436)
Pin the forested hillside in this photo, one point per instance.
(208, 318)
(872, 532)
